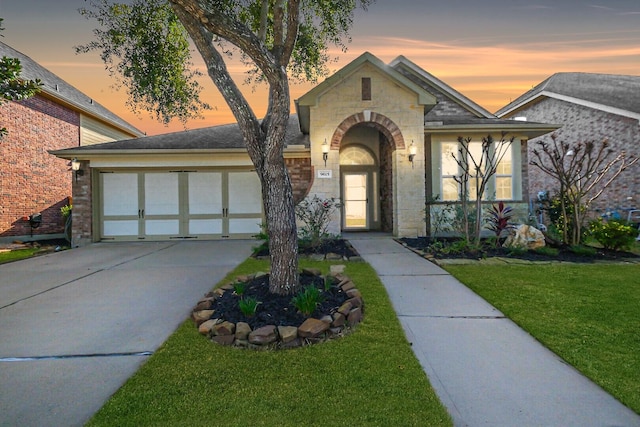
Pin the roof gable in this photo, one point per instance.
(612, 93)
(54, 87)
(431, 83)
(310, 98)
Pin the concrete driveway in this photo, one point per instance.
(75, 325)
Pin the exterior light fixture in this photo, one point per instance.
(325, 151)
(75, 167)
(412, 152)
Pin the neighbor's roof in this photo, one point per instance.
(55, 87)
(617, 94)
(223, 137)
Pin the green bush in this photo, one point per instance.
(614, 234)
(307, 300)
(248, 306)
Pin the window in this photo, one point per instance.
(501, 184)
(355, 155)
(366, 88)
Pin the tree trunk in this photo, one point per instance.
(277, 197)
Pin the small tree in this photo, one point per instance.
(476, 169)
(12, 87)
(583, 171)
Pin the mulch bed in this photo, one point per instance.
(277, 309)
(328, 246)
(564, 253)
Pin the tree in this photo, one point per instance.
(583, 171)
(146, 44)
(476, 169)
(12, 87)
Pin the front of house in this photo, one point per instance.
(377, 137)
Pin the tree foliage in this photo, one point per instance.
(12, 87)
(145, 44)
(583, 171)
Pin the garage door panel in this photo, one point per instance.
(162, 227)
(120, 194)
(244, 226)
(244, 193)
(205, 226)
(120, 228)
(205, 193)
(161, 194)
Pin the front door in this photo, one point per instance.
(356, 201)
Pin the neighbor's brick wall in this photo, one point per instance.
(31, 179)
(587, 124)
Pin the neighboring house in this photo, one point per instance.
(32, 181)
(590, 107)
(351, 139)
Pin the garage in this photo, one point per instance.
(179, 204)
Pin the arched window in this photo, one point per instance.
(354, 155)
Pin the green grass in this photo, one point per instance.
(17, 255)
(369, 377)
(587, 314)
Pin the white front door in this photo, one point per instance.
(356, 201)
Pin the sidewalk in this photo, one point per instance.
(484, 368)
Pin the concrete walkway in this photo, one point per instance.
(485, 369)
(75, 325)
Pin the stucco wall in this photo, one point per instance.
(587, 124)
(399, 106)
(31, 179)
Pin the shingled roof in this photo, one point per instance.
(57, 88)
(223, 137)
(603, 91)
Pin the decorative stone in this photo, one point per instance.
(333, 256)
(339, 319)
(354, 317)
(356, 259)
(336, 269)
(525, 237)
(316, 257)
(353, 293)
(245, 278)
(327, 318)
(224, 339)
(224, 328)
(311, 272)
(202, 316)
(347, 286)
(287, 333)
(227, 287)
(264, 335)
(203, 305)
(356, 301)
(311, 328)
(345, 308)
(259, 274)
(292, 344)
(219, 291)
(242, 330)
(206, 327)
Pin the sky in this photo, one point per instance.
(491, 51)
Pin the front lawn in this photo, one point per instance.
(17, 255)
(587, 314)
(369, 377)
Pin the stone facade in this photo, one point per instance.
(33, 181)
(394, 112)
(582, 123)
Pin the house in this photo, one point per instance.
(376, 136)
(32, 181)
(590, 107)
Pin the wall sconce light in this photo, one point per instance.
(412, 152)
(75, 166)
(325, 151)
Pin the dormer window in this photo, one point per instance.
(366, 88)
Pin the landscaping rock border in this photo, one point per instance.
(340, 321)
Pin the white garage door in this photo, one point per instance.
(179, 204)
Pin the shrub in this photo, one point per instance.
(613, 234)
(547, 251)
(307, 300)
(583, 250)
(239, 288)
(248, 306)
(315, 215)
(499, 219)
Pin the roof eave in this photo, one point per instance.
(530, 131)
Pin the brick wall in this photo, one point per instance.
(587, 124)
(82, 229)
(301, 174)
(31, 179)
